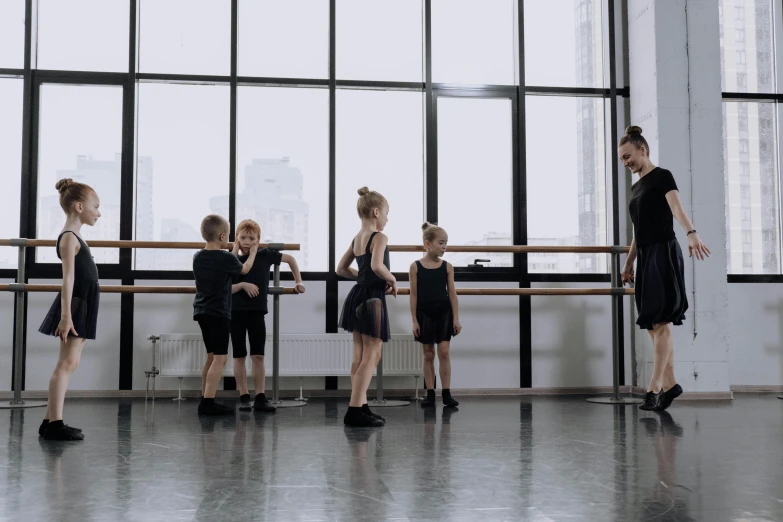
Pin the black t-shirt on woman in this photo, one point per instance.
(651, 215)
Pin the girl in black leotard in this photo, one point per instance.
(364, 312)
(73, 316)
(435, 311)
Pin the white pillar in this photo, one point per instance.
(676, 98)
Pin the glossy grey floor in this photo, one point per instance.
(537, 459)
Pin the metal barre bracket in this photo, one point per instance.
(18, 242)
(618, 291)
(619, 249)
(275, 246)
(16, 287)
(276, 290)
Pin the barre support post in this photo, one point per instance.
(19, 327)
(617, 302)
(379, 400)
(276, 291)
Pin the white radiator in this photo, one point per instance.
(301, 355)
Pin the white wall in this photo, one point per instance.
(100, 364)
(484, 355)
(6, 336)
(572, 339)
(173, 313)
(756, 329)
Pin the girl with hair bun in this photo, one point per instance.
(364, 312)
(435, 311)
(73, 317)
(661, 298)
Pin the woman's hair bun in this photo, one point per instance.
(363, 191)
(633, 129)
(63, 185)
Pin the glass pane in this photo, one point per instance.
(752, 192)
(380, 144)
(473, 42)
(746, 46)
(284, 39)
(12, 34)
(566, 182)
(568, 33)
(474, 136)
(185, 37)
(80, 138)
(283, 168)
(83, 35)
(10, 165)
(379, 40)
(182, 171)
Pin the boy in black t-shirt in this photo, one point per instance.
(213, 269)
(249, 308)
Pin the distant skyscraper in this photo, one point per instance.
(746, 46)
(590, 135)
(104, 176)
(272, 196)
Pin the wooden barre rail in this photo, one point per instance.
(521, 249)
(123, 289)
(533, 291)
(141, 244)
(130, 289)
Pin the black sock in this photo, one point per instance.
(431, 393)
(446, 391)
(245, 397)
(56, 424)
(208, 401)
(260, 397)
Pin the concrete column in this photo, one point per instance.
(675, 97)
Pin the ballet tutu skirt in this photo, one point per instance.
(436, 322)
(661, 296)
(364, 311)
(84, 311)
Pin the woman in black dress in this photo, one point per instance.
(73, 316)
(661, 298)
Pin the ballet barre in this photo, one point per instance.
(21, 289)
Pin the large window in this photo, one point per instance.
(473, 42)
(379, 40)
(12, 34)
(183, 165)
(287, 39)
(752, 192)
(571, 31)
(380, 144)
(83, 35)
(10, 164)
(750, 134)
(283, 168)
(185, 37)
(747, 46)
(566, 181)
(474, 143)
(80, 138)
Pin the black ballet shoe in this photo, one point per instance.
(429, 401)
(651, 401)
(366, 410)
(356, 418)
(668, 397)
(58, 431)
(448, 400)
(244, 402)
(45, 424)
